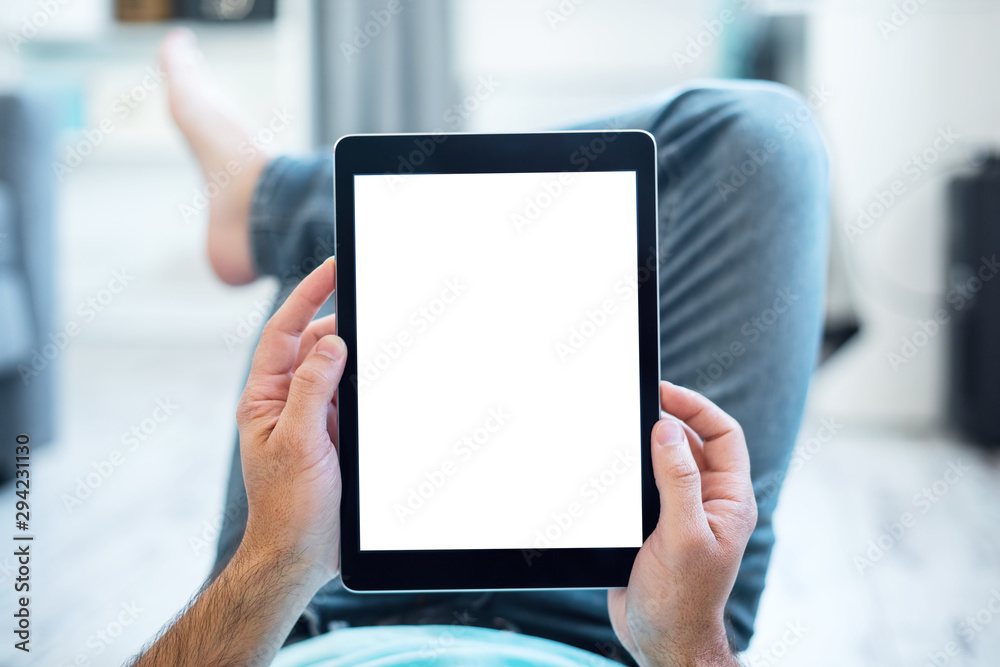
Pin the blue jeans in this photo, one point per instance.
(743, 202)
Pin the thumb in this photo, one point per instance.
(677, 479)
(315, 382)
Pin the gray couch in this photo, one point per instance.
(27, 270)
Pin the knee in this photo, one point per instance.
(769, 158)
(771, 129)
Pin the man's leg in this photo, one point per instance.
(220, 137)
(743, 226)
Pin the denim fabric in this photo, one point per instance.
(743, 202)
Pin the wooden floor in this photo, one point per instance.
(110, 569)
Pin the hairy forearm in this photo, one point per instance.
(242, 618)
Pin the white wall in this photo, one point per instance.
(895, 90)
(557, 66)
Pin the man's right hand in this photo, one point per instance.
(672, 611)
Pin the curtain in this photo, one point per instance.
(381, 66)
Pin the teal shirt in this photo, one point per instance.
(438, 645)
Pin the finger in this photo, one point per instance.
(677, 479)
(278, 348)
(313, 385)
(697, 447)
(724, 445)
(694, 440)
(324, 326)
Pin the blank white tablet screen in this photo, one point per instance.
(498, 361)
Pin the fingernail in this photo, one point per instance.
(669, 432)
(332, 346)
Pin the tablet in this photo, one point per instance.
(498, 295)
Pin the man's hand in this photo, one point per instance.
(291, 546)
(672, 611)
(287, 419)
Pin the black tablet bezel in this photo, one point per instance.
(442, 153)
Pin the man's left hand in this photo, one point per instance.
(287, 420)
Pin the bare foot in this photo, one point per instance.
(215, 130)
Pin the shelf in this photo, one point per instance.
(118, 38)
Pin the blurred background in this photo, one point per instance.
(123, 357)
